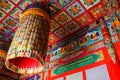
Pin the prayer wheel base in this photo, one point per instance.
(24, 65)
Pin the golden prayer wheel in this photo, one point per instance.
(27, 51)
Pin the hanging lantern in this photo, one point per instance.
(3, 55)
(27, 52)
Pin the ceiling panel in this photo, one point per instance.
(68, 16)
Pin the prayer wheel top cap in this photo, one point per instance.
(39, 5)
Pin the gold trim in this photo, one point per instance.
(16, 69)
(24, 70)
(3, 54)
(25, 54)
(36, 11)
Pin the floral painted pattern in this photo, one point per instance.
(53, 25)
(10, 22)
(75, 9)
(62, 18)
(6, 5)
(89, 3)
(61, 32)
(97, 11)
(72, 26)
(84, 19)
